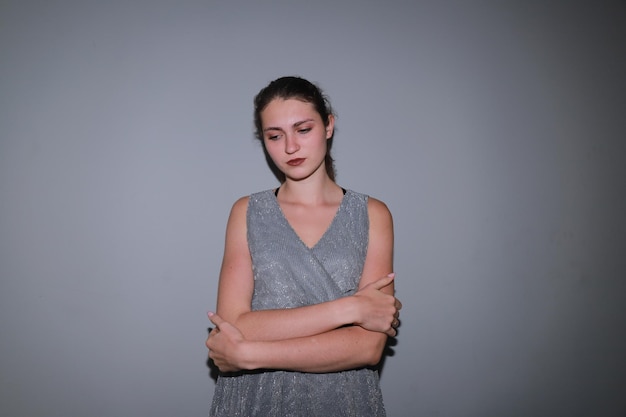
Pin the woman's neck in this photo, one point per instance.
(321, 191)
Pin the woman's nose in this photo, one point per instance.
(291, 144)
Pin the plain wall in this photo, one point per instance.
(493, 130)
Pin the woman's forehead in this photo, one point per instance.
(288, 111)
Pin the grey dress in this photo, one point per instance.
(289, 274)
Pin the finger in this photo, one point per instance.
(215, 319)
(398, 304)
(384, 281)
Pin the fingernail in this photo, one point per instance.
(393, 274)
(210, 313)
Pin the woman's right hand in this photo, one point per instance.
(378, 311)
(226, 344)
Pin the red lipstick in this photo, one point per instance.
(295, 162)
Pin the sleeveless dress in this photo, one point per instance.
(288, 274)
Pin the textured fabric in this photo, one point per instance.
(289, 274)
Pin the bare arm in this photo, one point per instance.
(330, 350)
(340, 349)
(369, 308)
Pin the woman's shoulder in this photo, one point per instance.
(373, 204)
(242, 203)
(239, 208)
(261, 194)
(380, 218)
(378, 210)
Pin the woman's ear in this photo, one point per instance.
(330, 127)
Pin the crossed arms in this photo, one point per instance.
(345, 333)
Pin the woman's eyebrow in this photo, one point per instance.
(296, 124)
(302, 122)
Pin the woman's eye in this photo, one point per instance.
(305, 130)
(273, 137)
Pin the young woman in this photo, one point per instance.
(306, 295)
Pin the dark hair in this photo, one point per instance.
(300, 89)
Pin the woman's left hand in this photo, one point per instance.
(226, 345)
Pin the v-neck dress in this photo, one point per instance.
(288, 274)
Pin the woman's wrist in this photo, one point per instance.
(260, 355)
(250, 355)
(351, 312)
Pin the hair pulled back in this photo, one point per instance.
(300, 89)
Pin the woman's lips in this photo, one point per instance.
(295, 162)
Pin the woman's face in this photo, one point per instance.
(295, 137)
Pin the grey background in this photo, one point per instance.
(494, 130)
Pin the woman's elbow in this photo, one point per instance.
(375, 350)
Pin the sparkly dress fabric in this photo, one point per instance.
(288, 274)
